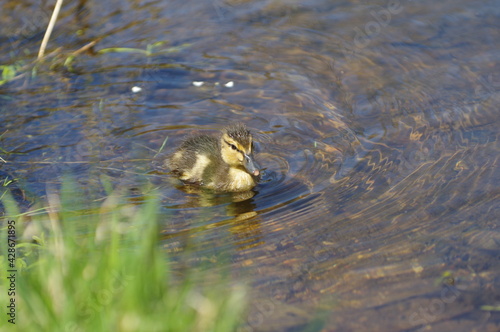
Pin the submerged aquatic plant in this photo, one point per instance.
(9, 72)
(85, 271)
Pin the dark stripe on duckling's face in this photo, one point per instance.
(238, 147)
(233, 146)
(245, 157)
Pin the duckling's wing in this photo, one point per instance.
(202, 144)
(190, 161)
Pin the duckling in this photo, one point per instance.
(224, 163)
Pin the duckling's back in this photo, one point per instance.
(195, 158)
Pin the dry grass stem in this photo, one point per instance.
(50, 27)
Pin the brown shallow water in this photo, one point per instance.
(377, 125)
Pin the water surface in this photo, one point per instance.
(376, 123)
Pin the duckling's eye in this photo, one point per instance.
(232, 146)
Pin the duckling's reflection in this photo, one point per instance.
(244, 224)
(201, 197)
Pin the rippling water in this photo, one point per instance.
(376, 123)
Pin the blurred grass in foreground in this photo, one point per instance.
(104, 270)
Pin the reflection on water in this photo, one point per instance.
(375, 123)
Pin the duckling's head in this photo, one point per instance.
(237, 148)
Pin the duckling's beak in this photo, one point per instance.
(250, 165)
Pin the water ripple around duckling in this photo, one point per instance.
(298, 159)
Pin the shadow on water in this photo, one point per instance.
(376, 125)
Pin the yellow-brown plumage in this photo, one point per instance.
(223, 163)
